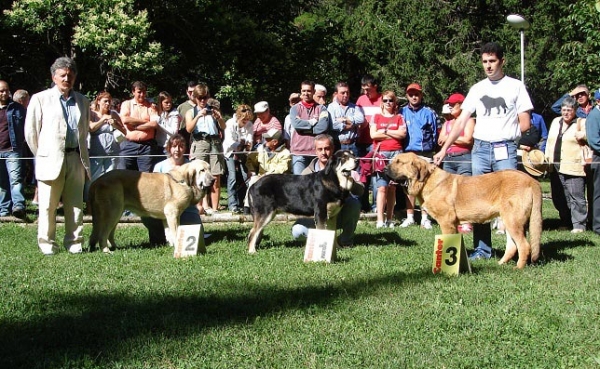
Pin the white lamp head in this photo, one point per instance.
(518, 21)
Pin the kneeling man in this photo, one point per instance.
(350, 213)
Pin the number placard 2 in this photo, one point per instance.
(190, 241)
(450, 255)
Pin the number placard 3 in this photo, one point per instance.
(450, 255)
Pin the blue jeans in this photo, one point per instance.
(458, 164)
(236, 182)
(11, 182)
(300, 162)
(484, 161)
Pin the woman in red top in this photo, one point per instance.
(387, 131)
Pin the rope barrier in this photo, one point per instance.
(249, 152)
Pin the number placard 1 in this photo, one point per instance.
(450, 255)
(320, 245)
(190, 241)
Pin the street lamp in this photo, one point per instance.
(521, 24)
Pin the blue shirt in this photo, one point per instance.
(538, 122)
(70, 113)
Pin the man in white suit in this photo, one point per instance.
(56, 129)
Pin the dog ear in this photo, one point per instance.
(331, 165)
(190, 176)
(422, 170)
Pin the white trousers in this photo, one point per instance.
(69, 186)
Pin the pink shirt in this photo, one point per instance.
(260, 127)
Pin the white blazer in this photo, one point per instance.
(46, 132)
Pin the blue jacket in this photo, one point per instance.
(592, 129)
(421, 128)
(15, 114)
(539, 123)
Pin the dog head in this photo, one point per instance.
(410, 172)
(197, 173)
(344, 162)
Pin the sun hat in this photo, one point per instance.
(534, 162)
(261, 107)
(578, 89)
(273, 133)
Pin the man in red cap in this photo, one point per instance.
(421, 138)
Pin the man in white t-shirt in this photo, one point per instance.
(502, 107)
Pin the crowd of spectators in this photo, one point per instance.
(140, 132)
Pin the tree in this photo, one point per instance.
(109, 35)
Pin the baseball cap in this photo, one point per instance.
(273, 133)
(455, 98)
(597, 95)
(414, 86)
(261, 107)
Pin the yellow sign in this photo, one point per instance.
(450, 255)
(190, 241)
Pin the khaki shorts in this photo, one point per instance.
(211, 151)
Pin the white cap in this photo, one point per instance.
(261, 107)
(446, 109)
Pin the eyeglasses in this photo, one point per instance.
(566, 110)
(577, 96)
(414, 94)
(202, 97)
(244, 110)
(387, 101)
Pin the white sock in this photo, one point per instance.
(423, 217)
(410, 216)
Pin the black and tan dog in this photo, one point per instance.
(454, 199)
(158, 195)
(320, 194)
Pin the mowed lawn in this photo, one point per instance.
(379, 306)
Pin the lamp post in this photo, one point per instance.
(521, 24)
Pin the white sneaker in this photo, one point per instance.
(75, 249)
(407, 222)
(426, 223)
(380, 225)
(47, 249)
(390, 224)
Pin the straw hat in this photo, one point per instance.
(535, 163)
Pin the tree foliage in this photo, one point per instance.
(261, 50)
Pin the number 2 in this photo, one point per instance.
(191, 242)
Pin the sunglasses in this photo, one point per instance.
(580, 94)
(202, 97)
(387, 100)
(244, 110)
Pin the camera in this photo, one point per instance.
(208, 110)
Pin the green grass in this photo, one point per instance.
(379, 306)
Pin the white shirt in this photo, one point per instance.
(497, 105)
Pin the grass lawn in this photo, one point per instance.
(379, 306)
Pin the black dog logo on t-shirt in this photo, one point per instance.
(493, 102)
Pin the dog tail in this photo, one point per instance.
(535, 223)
